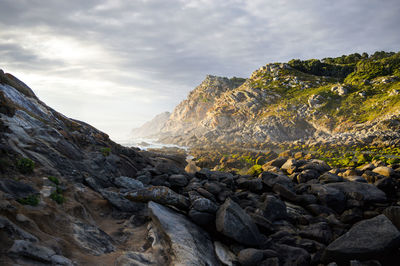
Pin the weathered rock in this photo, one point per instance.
(14, 231)
(393, 213)
(135, 258)
(92, 239)
(234, 222)
(189, 244)
(387, 185)
(320, 232)
(329, 196)
(16, 189)
(204, 205)
(292, 255)
(330, 178)
(128, 183)
(32, 251)
(178, 180)
(273, 208)
(201, 218)
(121, 203)
(253, 185)
(384, 170)
(224, 255)
(368, 239)
(159, 194)
(250, 256)
(270, 179)
(369, 192)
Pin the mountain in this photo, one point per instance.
(71, 196)
(350, 99)
(152, 127)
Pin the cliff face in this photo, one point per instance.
(309, 101)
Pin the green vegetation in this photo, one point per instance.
(106, 151)
(54, 180)
(32, 200)
(25, 165)
(57, 197)
(255, 170)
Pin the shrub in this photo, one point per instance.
(105, 151)
(255, 170)
(32, 200)
(54, 180)
(25, 165)
(57, 197)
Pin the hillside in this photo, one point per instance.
(71, 196)
(351, 99)
(152, 127)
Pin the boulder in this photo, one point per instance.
(233, 222)
(159, 194)
(201, 218)
(329, 196)
(14, 231)
(384, 170)
(270, 179)
(32, 251)
(224, 255)
(121, 203)
(273, 208)
(393, 213)
(250, 256)
(178, 180)
(320, 232)
(292, 255)
(189, 244)
(92, 239)
(330, 178)
(128, 183)
(204, 205)
(369, 192)
(368, 239)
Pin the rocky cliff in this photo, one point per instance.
(350, 99)
(151, 128)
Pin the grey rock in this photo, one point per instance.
(271, 179)
(159, 194)
(369, 192)
(224, 255)
(234, 222)
(61, 260)
(329, 196)
(201, 218)
(393, 213)
(16, 189)
(127, 182)
(31, 250)
(204, 205)
(368, 239)
(132, 258)
(330, 178)
(121, 203)
(320, 232)
(178, 180)
(14, 231)
(189, 244)
(250, 256)
(273, 208)
(92, 239)
(292, 255)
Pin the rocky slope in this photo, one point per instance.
(70, 196)
(351, 99)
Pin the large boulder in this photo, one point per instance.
(235, 223)
(273, 208)
(159, 194)
(368, 239)
(330, 196)
(189, 244)
(369, 192)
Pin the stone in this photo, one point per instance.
(270, 262)
(393, 213)
(128, 183)
(233, 222)
(369, 192)
(320, 232)
(292, 255)
(16, 189)
(278, 162)
(159, 194)
(204, 205)
(178, 180)
(273, 208)
(307, 175)
(14, 231)
(201, 218)
(32, 251)
(213, 188)
(270, 179)
(61, 260)
(135, 258)
(253, 185)
(368, 239)
(120, 202)
(387, 185)
(189, 244)
(384, 170)
(250, 256)
(224, 255)
(92, 239)
(329, 196)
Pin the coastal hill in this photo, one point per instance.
(71, 196)
(353, 99)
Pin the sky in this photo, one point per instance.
(116, 64)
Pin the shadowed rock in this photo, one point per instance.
(159, 194)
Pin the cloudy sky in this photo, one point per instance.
(115, 64)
